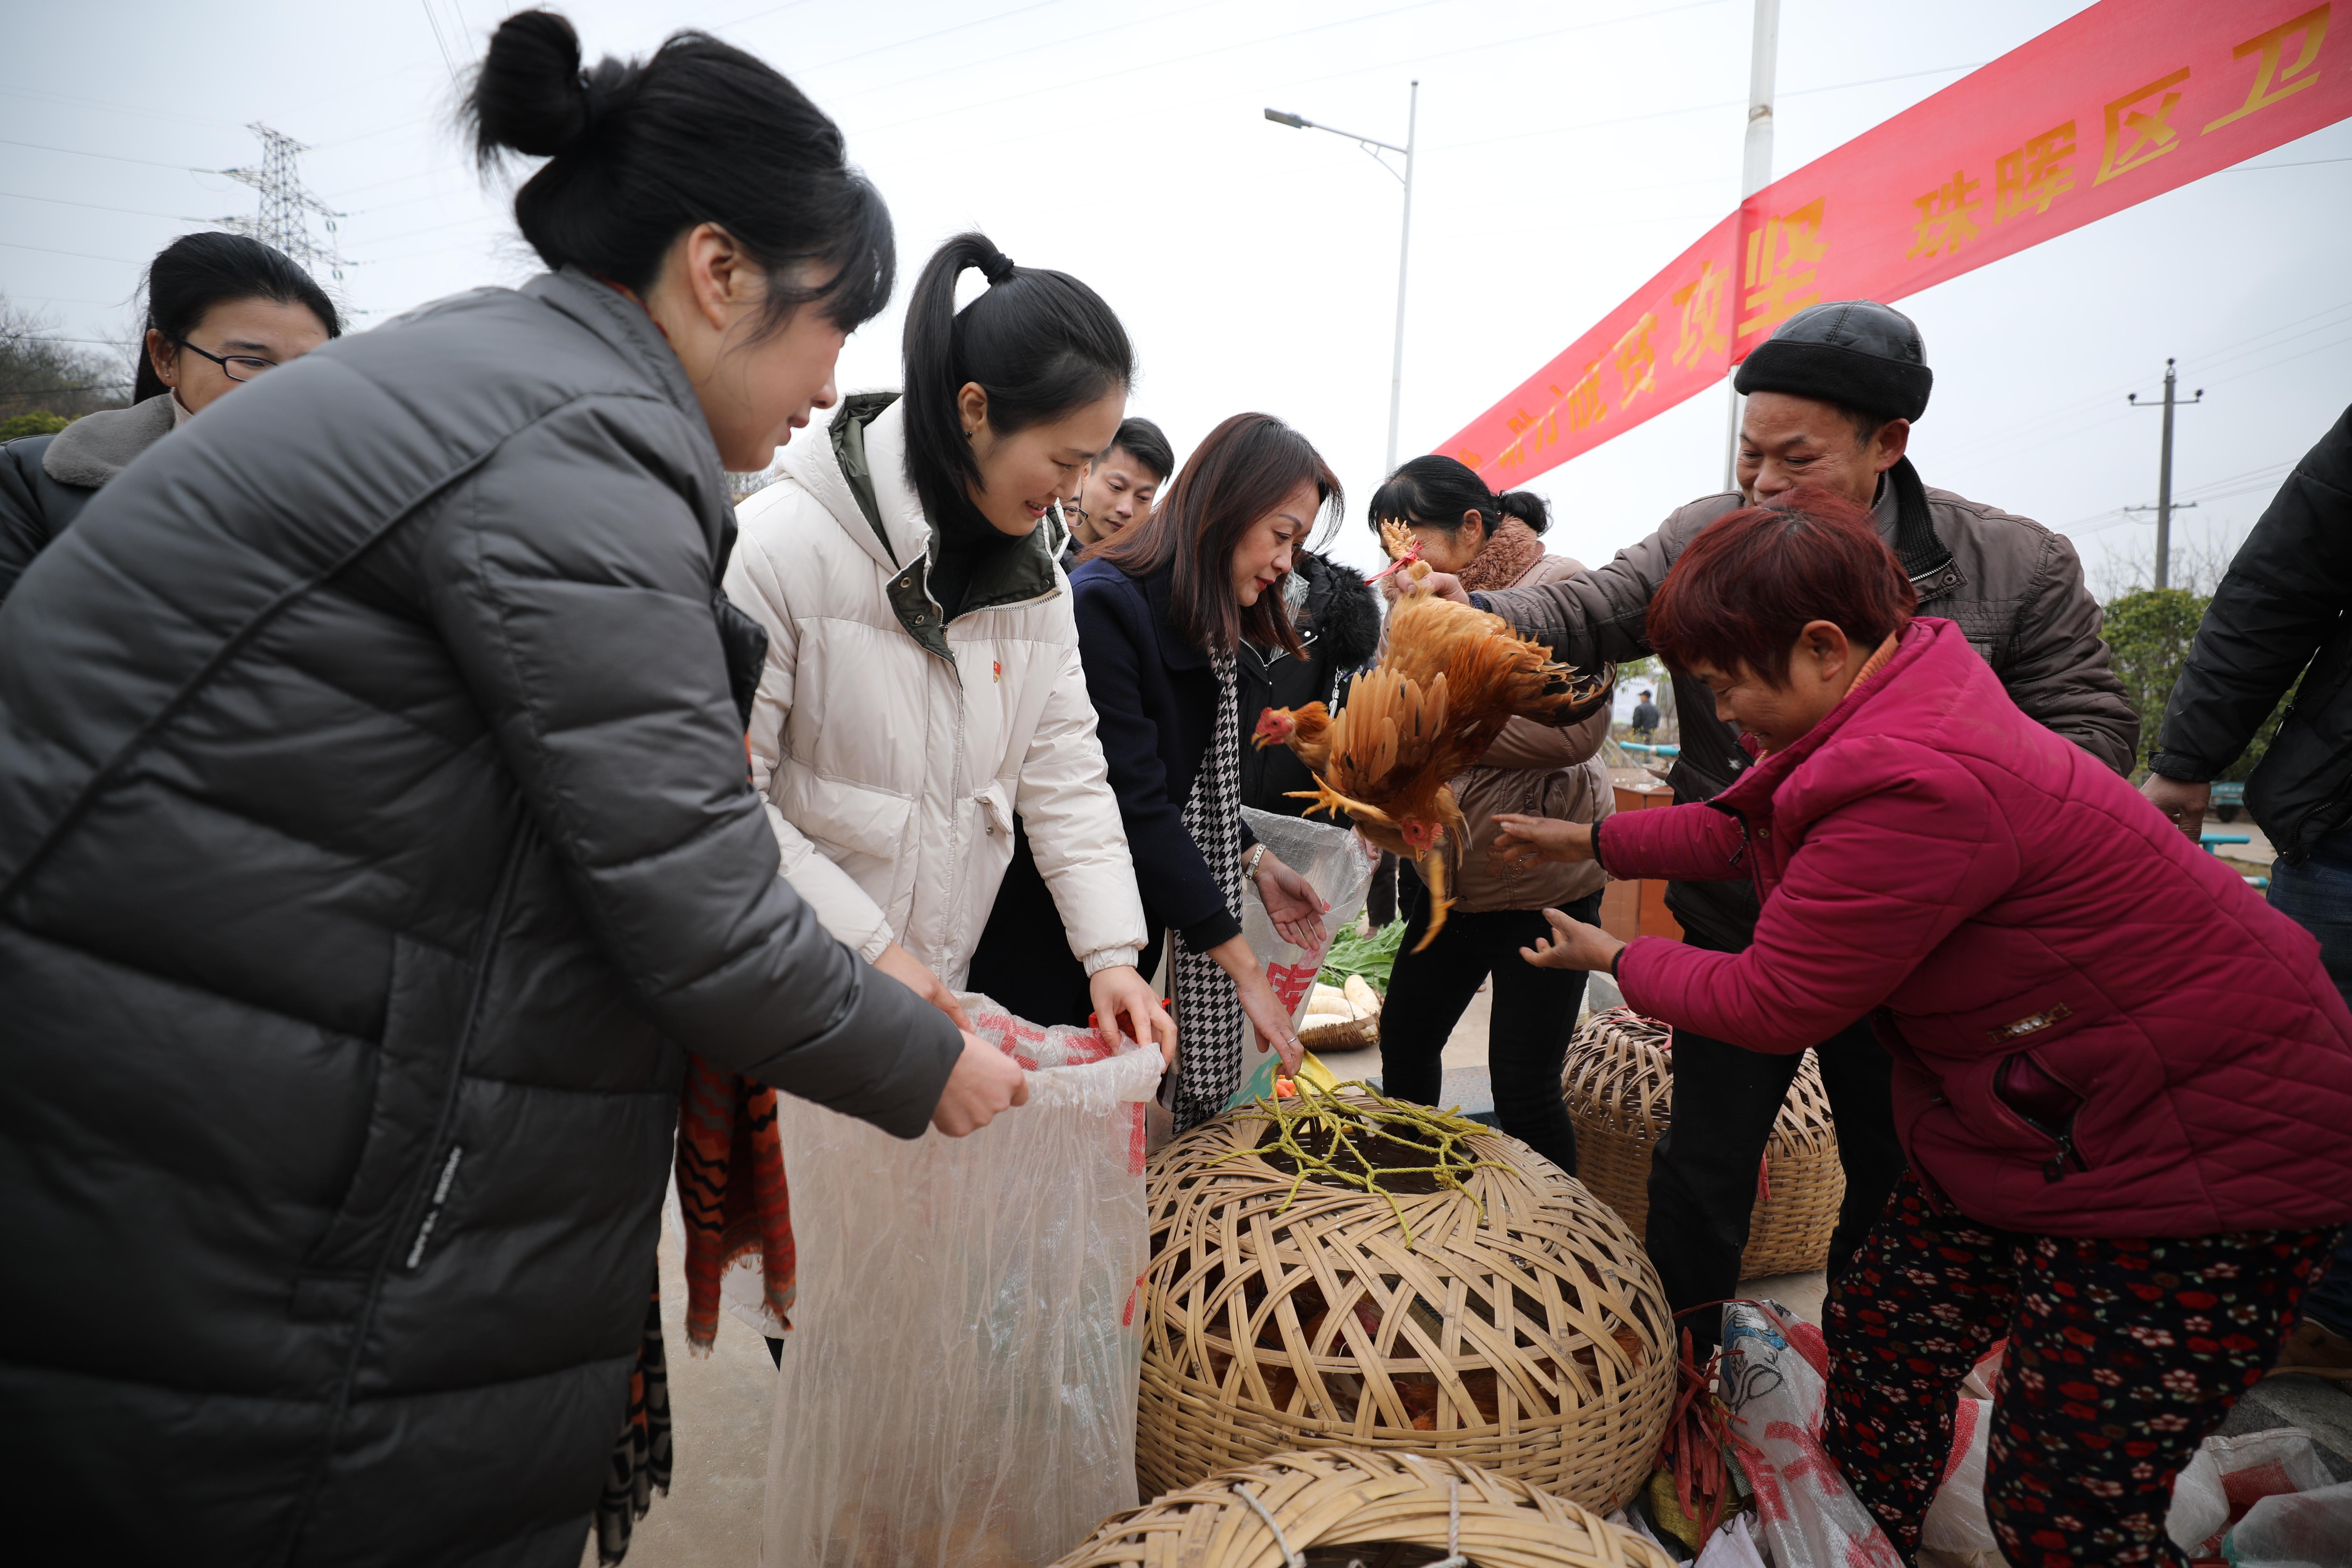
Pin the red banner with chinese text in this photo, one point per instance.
(2122, 102)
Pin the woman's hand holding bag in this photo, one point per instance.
(1120, 993)
(911, 972)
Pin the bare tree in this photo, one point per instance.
(2198, 565)
(40, 373)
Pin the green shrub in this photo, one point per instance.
(40, 422)
(2149, 632)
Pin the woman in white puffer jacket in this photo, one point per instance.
(922, 681)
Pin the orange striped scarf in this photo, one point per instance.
(731, 1187)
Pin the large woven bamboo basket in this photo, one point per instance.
(1618, 1084)
(1345, 1505)
(1521, 1327)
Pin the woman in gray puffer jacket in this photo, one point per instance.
(376, 840)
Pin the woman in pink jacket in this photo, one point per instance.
(2122, 1080)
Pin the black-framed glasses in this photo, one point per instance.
(236, 367)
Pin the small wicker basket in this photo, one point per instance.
(1340, 1505)
(1520, 1327)
(1618, 1085)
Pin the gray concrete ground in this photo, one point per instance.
(720, 1407)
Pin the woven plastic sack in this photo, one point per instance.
(2229, 1475)
(2294, 1530)
(1772, 1381)
(1957, 1533)
(958, 1390)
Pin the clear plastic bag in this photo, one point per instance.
(958, 1390)
(1772, 1383)
(1338, 865)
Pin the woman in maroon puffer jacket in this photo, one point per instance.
(2123, 1079)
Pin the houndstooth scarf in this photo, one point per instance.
(1208, 1009)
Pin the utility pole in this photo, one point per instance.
(1405, 235)
(284, 220)
(1755, 172)
(2164, 475)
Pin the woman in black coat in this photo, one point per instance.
(1162, 612)
(375, 841)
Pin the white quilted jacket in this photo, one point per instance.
(891, 773)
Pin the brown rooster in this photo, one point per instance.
(1450, 677)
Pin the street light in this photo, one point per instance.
(1405, 239)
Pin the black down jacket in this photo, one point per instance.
(2279, 614)
(375, 838)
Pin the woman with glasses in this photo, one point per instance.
(221, 309)
(376, 842)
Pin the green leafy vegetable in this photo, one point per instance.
(1369, 956)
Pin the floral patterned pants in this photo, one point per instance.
(2122, 1355)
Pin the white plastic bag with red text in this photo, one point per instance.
(1773, 1384)
(958, 1389)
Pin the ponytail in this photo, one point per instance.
(1040, 343)
(1433, 492)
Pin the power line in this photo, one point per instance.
(148, 111)
(94, 207)
(82, 255)
(110, 157)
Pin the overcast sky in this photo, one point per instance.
(1566, 151)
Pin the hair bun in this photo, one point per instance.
(996, 267)
(1527, 507)
(528, 96)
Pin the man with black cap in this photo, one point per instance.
(1831, 399)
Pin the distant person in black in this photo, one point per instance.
(1646, 719)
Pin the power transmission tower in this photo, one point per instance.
(287, 206)
(2163, 508)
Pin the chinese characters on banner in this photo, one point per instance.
(2119, 103)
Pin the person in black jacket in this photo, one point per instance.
(221, 309)
(2278, 617)
(1336, 616)
(375, 841)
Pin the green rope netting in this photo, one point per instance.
(1437, 1134)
